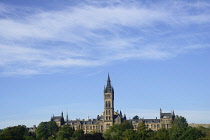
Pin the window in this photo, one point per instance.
(165, 116)
(102, 127)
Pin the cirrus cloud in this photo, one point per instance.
(87, 34)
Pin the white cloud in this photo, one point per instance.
(87, 34)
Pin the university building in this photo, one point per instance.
(110, 117)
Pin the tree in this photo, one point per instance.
(125, 125)
(191, 134)
(136, 117)
(14, 133)
(115, 132)
(129, 134)
(162, 134)
(46, 129)
(65, 132)
(141, 131)
(179, 126)
(205, 131)
(78, 133)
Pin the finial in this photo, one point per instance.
(108, 80)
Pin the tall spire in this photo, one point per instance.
(108, 88)
(108, 80)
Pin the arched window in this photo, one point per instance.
(109, 104)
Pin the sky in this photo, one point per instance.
(55, 56)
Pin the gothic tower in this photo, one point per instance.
(108, 104)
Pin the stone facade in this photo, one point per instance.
(110, 117)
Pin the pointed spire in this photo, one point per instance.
(125, 117)
(108, 88)
(62, 114)
(108, 80)
(120, 114)
(160, 113)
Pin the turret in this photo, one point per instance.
(67, 118)
(120, 114)
(160, 113)
(125, 117)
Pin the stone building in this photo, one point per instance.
(110, 117)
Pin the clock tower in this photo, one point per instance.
(108, 104)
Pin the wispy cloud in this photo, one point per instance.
(87, 34)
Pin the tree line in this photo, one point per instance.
(50, 131)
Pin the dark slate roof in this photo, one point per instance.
(151, 120)
(83, 122)
(162, 115)
(115, 116)
(57, 118)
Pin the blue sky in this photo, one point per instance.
(55, 56)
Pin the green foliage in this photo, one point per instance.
(179, 126)
(115, 132)
(205, 131)
(180, 121)
(29, 138)
(136, 117)
(123, 131)
(191, 134)
(65, 133)
(96, 136)
(78, 133)
(14, 133)
(46, 129)
(129, 134)
(162, 134)
(142, 131)
(125, 125)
